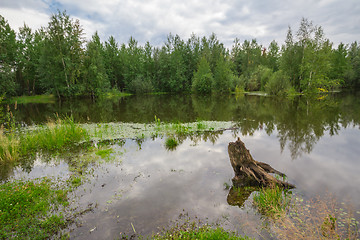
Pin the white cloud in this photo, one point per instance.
(153, 20)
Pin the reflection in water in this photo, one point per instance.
(238, 195)
(151, 186)
(298, 123)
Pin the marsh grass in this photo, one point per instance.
(171, 143)
(29, 209)
(194, 230)
(272, 201)
(9, 147)
(53, 136)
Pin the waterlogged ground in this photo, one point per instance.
(136, 184)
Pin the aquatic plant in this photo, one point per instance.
(28, 209)
(318, 218)
(272, 201)
(193, 230)
(53, 136)
(171, 143)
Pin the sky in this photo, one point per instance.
(154, 20)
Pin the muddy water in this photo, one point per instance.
(144, 187)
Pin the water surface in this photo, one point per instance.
(145, 186)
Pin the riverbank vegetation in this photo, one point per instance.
(57, 59)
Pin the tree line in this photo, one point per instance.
(57, 59)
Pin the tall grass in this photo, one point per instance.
(9, 147)
(53, 136)
(273, 201)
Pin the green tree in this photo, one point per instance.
(353, 75)
(222, 76)
(95, 78)
(203, 78)
(8, 53)
(316, 57)
(61, 60)
(113, 64)
(290, 61)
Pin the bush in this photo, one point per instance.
(278, 84)
(140, 85)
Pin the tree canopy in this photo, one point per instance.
(57, 59)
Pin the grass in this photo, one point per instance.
(28, 209)
(192, 230)
(318, 218)
(272, 201)
(52, 136)
(34, 99)
(171, 143)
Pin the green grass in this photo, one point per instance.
(272, 201)
(28, 209)
(193, 231)
(171, 143)
(53, 136)
(34, 99)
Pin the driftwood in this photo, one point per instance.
(249, 172)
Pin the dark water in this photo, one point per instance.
(315, 142)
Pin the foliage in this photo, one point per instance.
(8, 53)
(278, 84)
(28, 209)
(56, 60)
(203, 78)
(96, 80)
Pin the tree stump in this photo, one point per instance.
(249, 172)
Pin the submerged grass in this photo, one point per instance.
(28, 209)
(193, 230)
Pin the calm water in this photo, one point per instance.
(315, 142)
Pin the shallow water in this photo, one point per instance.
(144, 186)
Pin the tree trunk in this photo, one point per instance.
(249, 172)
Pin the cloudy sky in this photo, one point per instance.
(153, 20)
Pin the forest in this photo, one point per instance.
(58, 60)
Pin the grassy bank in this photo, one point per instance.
(31, 209)
(34, 99)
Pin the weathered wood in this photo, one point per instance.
(249, 172)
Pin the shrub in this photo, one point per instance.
(278, 84)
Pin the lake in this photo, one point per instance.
(143, 186)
